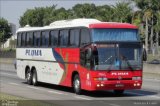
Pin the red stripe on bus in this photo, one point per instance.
(112, 25)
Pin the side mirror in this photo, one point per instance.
(88, 53)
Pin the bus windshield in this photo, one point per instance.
(114, 35)
(117, 57)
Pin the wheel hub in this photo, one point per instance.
(34, 79)
(28, 75)
(77, 83)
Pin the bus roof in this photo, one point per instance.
(81, 22)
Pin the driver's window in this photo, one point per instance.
(86, 58)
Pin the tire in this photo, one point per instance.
(34, 78)
(118, 92)
(29, 77)
(77, 84)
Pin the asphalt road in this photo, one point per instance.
(149, 95)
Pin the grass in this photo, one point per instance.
(10, 100)
(150, 57)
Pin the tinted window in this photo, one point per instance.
(85, 36)
(23, 38)
(74, 37)
(63, 37)
(45, 38)
(29, 40)
(54, 38)
(114, 34)
(19, 40)
(37, 39)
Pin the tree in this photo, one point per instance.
(149, 10)
(33, 17)
(122, 12)
(147, 17)
(146, 11)
(157, 29)
(84, 10)
(104, 13)
(137, 19)
(49, 15)
(5, 30)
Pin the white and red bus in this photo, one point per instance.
(85, 54)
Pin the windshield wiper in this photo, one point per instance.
(129, 65)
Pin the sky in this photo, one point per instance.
(13, 9)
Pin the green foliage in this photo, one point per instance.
(84, 10)
(149, 13)
(122, 12)
(45, 15)
(104, 13)
(5, 30)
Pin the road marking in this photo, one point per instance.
(155, 96)
(34, 88)
(60, 93)
(143, 94)
(55, 92)
(82, 98)
(13, 83)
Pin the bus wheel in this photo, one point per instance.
(34, 78)
(118, 92)
(29, 76)
(77, 84)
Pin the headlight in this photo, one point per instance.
(100, 79)
(136, 78)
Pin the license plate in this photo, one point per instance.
(119, 85)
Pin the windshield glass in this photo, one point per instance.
(117, 57)
(114, 35)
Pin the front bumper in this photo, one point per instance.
(115, 85)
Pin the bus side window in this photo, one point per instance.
(19, 40)
(54, 37)
(37, 39)
(74, 37)
(34, 39)
(47, 37)
(29, 39)
(43, 38)
(85, 36)
(64, 38)
(23, 39)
